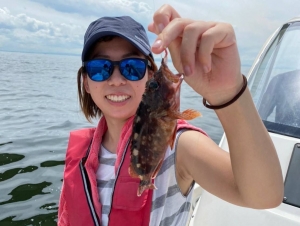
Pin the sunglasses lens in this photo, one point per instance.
(133, 69)
(99, 70)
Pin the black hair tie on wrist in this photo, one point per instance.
(229, 102)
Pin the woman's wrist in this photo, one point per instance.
(230, 101)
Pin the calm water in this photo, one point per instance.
(39, 107)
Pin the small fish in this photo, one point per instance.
(154, 125)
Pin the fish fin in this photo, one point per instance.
(168, 73)
(132, 172)
(188, 114)
(175, 78)
(142, 188)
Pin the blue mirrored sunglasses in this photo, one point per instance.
(133, 69)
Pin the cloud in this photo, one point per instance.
(3, 39)
(86, 11)
(5, 19)
(24, 33)
(22, 21)
(96, 8)
(59, 26)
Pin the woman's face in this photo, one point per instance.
(117, 97)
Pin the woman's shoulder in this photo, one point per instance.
(82, 133)
(79, 141)
(184, 125)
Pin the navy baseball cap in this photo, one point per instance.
(124, 27)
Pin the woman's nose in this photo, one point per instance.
(116, 79)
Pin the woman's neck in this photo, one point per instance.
(112, 135)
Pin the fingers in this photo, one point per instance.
(194, 42)
(219, 36)
(171, 32)
(191, 42)
(162, 17)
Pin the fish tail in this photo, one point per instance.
(144, 185)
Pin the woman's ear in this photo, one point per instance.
(85, 83)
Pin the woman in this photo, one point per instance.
(97, 189)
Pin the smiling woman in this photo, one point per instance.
(176, 153)
(39, 108)
(35, 122)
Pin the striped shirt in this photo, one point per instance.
(169, 206)
(105, 181)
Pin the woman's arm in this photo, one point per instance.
(207, 53)
(249, 175)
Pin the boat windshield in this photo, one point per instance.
(275, 82)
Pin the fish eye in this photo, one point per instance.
(153, 85)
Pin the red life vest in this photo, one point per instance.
(79, 201)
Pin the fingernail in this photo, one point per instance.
(157, 44)
(206, 69)
(161, 27)
(187, 70)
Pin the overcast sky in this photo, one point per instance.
(58, 26)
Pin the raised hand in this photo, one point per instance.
(206, 52)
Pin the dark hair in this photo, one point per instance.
(87, 105)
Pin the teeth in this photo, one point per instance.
(117, 98)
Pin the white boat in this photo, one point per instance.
(274, 81)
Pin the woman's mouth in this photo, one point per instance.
(117, 98)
